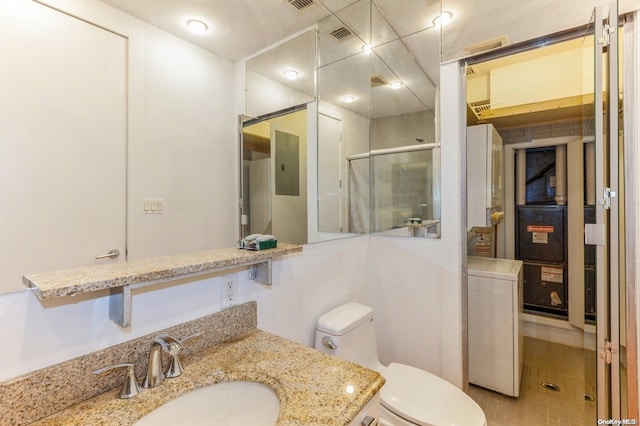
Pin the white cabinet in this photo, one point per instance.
(484, 174)
(495, 332)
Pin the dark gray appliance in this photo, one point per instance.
(541, 244)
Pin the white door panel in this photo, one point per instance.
(330, 160)
(62, 142)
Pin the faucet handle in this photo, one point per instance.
(175, 349)
(191, 336)
(130, 387)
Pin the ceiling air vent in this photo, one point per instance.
(378, 80)
(302, 5)
(342, 33)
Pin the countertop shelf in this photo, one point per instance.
(121, 278)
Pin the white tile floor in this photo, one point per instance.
(572, 369)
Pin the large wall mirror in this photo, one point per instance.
(374, 161)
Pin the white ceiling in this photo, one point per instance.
(237, 28)
(240, 28)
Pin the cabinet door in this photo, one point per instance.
(62, 142)
(491, 334)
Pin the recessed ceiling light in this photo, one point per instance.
(291, 74)
(396, 84)
(348, 99)
(197, 26)
(443, 19)
(366, 48)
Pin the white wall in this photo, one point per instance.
(527, 82)
(188, 151)
(176, 151)
(305, 286)
(415, 285)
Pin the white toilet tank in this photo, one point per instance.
(348, 333)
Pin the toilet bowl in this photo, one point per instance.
(410, 396)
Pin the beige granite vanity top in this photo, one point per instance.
(310, 385)
(71, 282)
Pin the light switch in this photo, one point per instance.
(153, 205)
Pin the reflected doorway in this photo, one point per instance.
(274, 176)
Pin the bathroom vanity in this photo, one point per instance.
(311, 387)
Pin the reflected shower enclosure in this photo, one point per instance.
(377, 110)
(402, 191)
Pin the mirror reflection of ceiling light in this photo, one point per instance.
(396, 84)
(366, 49)
(443, 19)
(348, 99)
(291, 74)
(196, 26)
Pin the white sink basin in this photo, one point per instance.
(228, 403)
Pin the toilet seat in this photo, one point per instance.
(425, 399)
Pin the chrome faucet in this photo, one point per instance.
(155, 373)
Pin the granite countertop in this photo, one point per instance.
(71, 282)
(310, 385)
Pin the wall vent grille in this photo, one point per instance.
(483, 107)
(487, 45)
(302, 5)
(342, 33)
(480, 108)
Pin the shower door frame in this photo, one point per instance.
(607, 227)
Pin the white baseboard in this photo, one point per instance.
(558, 331)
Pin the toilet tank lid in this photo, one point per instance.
(344, 318)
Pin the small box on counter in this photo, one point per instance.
(262, 245)
(258, 242)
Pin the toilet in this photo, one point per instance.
(410, 396)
